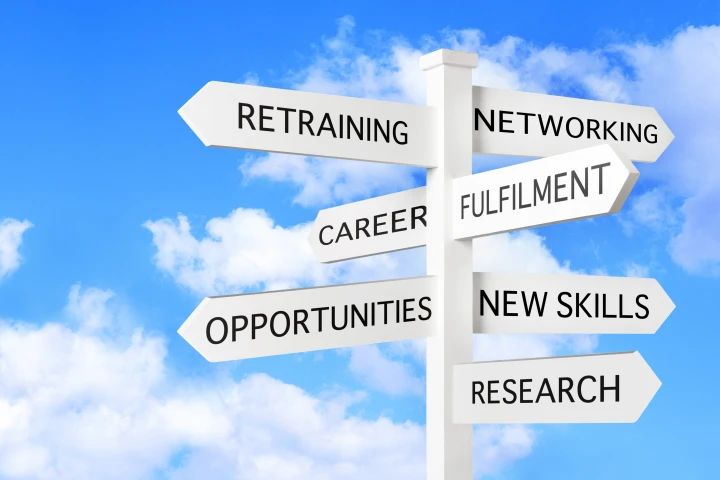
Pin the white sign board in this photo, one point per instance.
(288, 121)
(606, 388)
(586, 183)
(508, 122)
(538, 303)
(376, 225)
(235, 327)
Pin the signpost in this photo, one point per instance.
(507, 122)
(235, 327)
(570, 186)
(287, 121)
(606, 388)
(587, 172)
(537, 303)
(376, 225)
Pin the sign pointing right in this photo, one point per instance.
(605, 388)
(508, 122)
(585, 183)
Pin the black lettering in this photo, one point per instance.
(245, 116)
(354, 311)
(534, 298)
(653, 136)
(235, 329)
(463, 206)
(477, 393)
(523, 390)
(491, 391)
(429, 312)
(545, 385)
(637, 301)
(551, 121)
(579, 390)
(363, 229)
(581, 304)
(287, 323)
(564, 304)
(263, 118)
(526, 115)
(600, 167)
(255, 326)
(503, 121)
(575, 179)
(635, 134)
(321, 233)
(558, 187)
(502, 199)
(385, 134)
(507, 302)
(567, 127)
(607, 130)
(320, 312)
(323, 127)
(545, 192)
(359, 132)
(495, 308)
(565, 390)
(379, 224)
(491, 125)
(225, 330)
(403, 135)
(305, 122)
(395, 221)
(287, 117)
(603, 388)
(621, 305)
(514, 395)
(343, 232)
(297, 322)
(591, 128)
(420, 217)
(604, 308)
(406, 310)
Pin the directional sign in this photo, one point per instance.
(507, 122)
(288, 121)
(377, 225)
(235, 327)
(586, 183)
(533, 303)
(607, 388)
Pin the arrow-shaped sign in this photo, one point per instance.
(606, 388)
(537, 303)
(586, 183)
(235, 327)
(376, 225)
(288, 121)
(508, 122)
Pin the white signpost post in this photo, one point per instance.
(508, 122)
(587, 173)
(540, 303)
(605, 388)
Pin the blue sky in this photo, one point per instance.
(105, 195)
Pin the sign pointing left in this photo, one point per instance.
(235, 327)
(289, 121)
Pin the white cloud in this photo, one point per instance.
(11, 232)
(633, 269)
(77, 405)
(518, 252)
(380, 372)
(247, 250)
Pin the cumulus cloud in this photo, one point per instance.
(11, 233)
(75, 404)
(247, 250)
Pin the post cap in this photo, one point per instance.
(445, 56)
